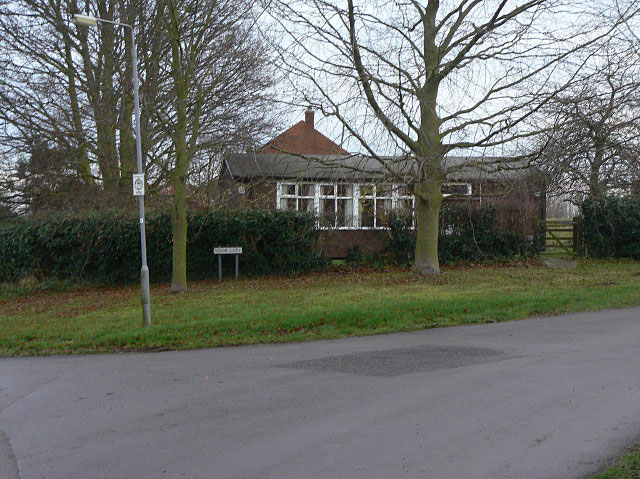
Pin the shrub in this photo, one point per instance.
(611, 226)
(466, 234)
(354, 256)
(402, 242)
(106, 248)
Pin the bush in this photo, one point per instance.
(354, 256)
(611, 226)
(106, 248)
(466, 234)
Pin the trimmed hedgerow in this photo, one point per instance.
(466, 234)
(106, 248)
(611, 226)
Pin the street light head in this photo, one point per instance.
(80, 19)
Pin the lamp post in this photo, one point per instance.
(80, 19)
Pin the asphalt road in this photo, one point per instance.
(543, 398)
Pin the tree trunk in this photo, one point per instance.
(127, 146)
(428, 202)
(179, 206)
(595, 185)
(83, 169)
(103, 98)
(181, 167)
(179, 223)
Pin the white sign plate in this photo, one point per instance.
(138, 184)
(231, 250)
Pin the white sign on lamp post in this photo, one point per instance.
(138, 184)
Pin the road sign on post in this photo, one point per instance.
(138, 184)
(235, 250)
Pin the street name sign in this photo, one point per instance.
(228, 250)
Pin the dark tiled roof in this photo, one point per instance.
(353, 168)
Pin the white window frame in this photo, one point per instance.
(336, 197)
(279, 194)
(374, 198)
(328, 197)
(395, 198)
(457, 183)
(296, 196)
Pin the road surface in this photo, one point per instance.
(549, 398)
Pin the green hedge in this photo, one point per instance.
(466, 234)
(611, 226)
(106, 248)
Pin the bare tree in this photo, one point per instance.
(594, 147)
(420, 80)
(215, 84)
(204, 84)
(68, 86)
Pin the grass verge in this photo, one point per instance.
(626, 467)
(328, 305)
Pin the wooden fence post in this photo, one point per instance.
(578, 246)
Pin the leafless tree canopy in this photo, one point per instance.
(70, 86)
(594, 145)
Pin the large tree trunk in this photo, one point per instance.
(428, 202)
(428, 190)
(179, 206)
(181, 167)
(179, 223)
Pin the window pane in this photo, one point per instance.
(306, 189)
(456, 189)
(383, 207)
(288, 190)
(345, 213)
(288, 204)
(366, 213)
(327, 190)
(306, 205)
(327, 212)
(384, 190)
(404, 208)
(345, 190)
(366, 190)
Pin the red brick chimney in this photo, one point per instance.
(308, 119)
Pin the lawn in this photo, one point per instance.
(626, 467)
(333, 304)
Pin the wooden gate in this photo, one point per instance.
(563, 236)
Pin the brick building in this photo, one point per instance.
(303, 170)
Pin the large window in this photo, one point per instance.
(335, 205)
(353, 206)
(375, 204)
(296, 196)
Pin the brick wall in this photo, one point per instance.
(336, 243)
